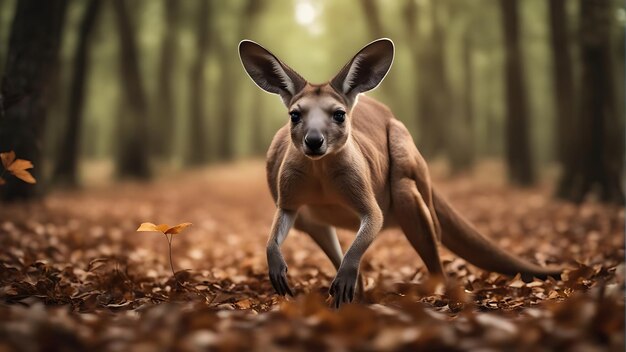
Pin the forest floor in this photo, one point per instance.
(74, 274)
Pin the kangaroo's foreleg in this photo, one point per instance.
(283, 221)
(326, 238)
(343, 286)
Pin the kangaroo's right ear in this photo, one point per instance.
(269, 73)
(366, 69)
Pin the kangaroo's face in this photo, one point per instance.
(319, 114)
(319, 120)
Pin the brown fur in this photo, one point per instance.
(371, 177)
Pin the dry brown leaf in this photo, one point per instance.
(117, 290)
(178, 228)
(7, 158)
(148, 227)
(163, 228)
(17, 167)
(24, 176)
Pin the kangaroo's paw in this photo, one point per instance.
(343, 286)
(278, 273)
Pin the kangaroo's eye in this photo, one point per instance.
(295, 116)
(339, 116)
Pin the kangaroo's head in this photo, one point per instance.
(320, 114)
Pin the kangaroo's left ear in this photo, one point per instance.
(366, 69)
(268, 72)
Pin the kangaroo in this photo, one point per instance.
(343, 160)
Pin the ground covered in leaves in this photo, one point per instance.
(74, 274)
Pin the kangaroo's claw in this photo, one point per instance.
(343, 287)
(278, 273)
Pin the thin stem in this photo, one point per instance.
(169, 242)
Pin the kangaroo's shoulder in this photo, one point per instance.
(370, 121)
(275, 156)
(368, 108)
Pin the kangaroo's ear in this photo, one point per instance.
(366, 69)
(269, 73)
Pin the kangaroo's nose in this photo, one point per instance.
(314, 140)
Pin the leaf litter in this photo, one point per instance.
(75, 274)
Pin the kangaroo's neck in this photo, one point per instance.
(339, 159)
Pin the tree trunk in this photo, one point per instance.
(439, 88)
(377, 30)
(31, 59)
(563, 79)
(597, 162)
(3, 8)
(197, 152)
(518, 153)
(462, 148)
(67, 162)
(421, 53)
(165, 112)
(259, 138)
(228, 85)
(133, 153)
(374, 24)
(431, 78)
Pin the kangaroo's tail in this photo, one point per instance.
(462, 238)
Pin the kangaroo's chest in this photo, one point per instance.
(320, 199)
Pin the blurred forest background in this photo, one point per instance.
(97, 90)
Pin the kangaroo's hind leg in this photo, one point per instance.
(326, 238)
(411, 195)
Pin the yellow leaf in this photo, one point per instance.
(17, 167)
(20, 164)
(163, 227)
(148, 226)
(2, 181)
(178, 228)
(24, 176)
(7, 158)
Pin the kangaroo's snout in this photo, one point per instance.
(314, 140)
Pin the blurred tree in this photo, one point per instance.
(133, 148)
(228, 85)
(2, 48)
(596, 162)
(165, 113)
(462, 130)
(431, 79)
(377, 30)
(439, 87)
(563, 77)
(31, 59)
(422, 102)
(66, 166)
(518, 154)
(372, 18)
(259, 141)
(197, 151)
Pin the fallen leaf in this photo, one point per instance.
(178, 228)
(17, 167)
(7, 158)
